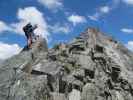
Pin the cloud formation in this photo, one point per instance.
(129, 2)
(101, 11)
(26, 15)
(57, 28)
(4, 27)
(129, 45)
(76, 19)
(94, 17)
(104, 9)
(51, 4)
(127, 30)
(8, 50)
(33, 15)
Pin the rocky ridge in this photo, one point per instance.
(92, 66)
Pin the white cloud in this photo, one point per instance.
(4, 27)
(51, 4)
(129, 45)
(57, 28)
(7, 50)
(127, 30)
(33, 15)
(76, 19)
(18, 27)
(129, 2)
(26, 15)
(94, 17)
(101, 11)
(105, 9)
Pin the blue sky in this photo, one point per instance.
(62, 20)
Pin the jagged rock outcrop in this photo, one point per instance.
(93, 66)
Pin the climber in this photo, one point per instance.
(29, 33)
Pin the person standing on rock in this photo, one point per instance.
(29, 33)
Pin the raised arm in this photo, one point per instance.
(35, 26)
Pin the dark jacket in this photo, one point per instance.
(28, 29)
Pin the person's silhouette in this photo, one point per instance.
(29, 33)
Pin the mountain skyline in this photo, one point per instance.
(62, 20)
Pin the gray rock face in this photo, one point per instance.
(92, 67)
